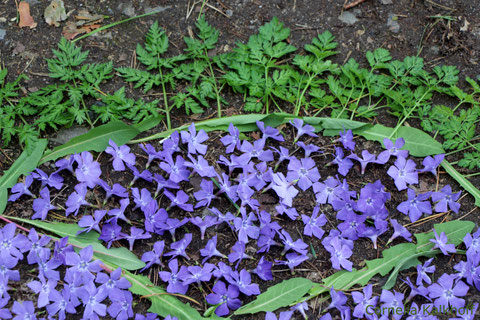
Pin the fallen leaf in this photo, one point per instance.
(464, 28)
(86, 22)
(55, 12)
(19, 48)
(26, 19)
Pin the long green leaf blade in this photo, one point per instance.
(96, 140)
(467, 185)
(120, 257)
(280, 295)
(26, 163)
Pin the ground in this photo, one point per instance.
(406, 28)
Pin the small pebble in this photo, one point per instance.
(3, 32)
(229, 13)
(392, 23)
(348, 17)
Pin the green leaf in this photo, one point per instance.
(95, 139)
(419, 143)
(25, 163)
(148, 124)
(278, 296)
(163, 303)
(467, 185)
(120, 257)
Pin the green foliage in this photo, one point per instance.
(278, 296)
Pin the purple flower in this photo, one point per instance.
(90, 223)
(120, 155)
(399, 231)
(284, 189)
(136, 234)
(297, 245)
(171, 144)
(352, 226)
(196, 274)
(314, 224)
(151, 152)
(446, 199)
(303, 171)
(301, 129)
(339, 254)
(195, 140)
(416, 291)
(117, 213)
(301, 307)
(346, 138)
(61, 303)
(430, 164)
(42, 205)
(307, 148)
(392, 150)
(243, 281)
(232, 140)
(121, 307)
(205, 195)
(364, 301)
(174, 278)
(171, 225)
(92, 298)
(339, 299)
(403, 172)
(162, 183)
(441, 243)
(366, 158)
(43, 289)
(81, 263)
(290, 212)
(285, 315)
(76, 199)
(154, 256)
(446, 293)
(422, 271)
(54, 180)
(65, 164)
(344, 164)
(114, 282)
(145, 175)
(472, 243)
(415, 206)
(179, 247)
(256, 150)
(204, 223)
(264, 269)
(24, 310)
(245, 228)
(201, 166)
(210, 250)
(269, 132)
(179, 200)
(88, 170)
(226, 299)
(36, 246)
(116, 190)
(177, 169)
(327, 191)
(392, 301)
(293, 260)
(21, 188)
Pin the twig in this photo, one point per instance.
(216, 9)
(353, 4)
(441, 6)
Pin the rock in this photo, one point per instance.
(158, 8)
(64, 135)
(348, 17)
(3, 32)
(435, 50)
(229, 13)
(386, 1)
(392, 23)
(127, 9)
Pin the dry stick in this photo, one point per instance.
(171, 294)
(10, 221)
(353, 4)
(441, 6)
(216, 9)
(466, 214)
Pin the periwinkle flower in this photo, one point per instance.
(88, 170)
(441, 243)
(24, 310)
(179, 247)
(89, 223)
(195, 139)
(54, 180)
(399, 231)
(293, 260)
(82, 263)
(346, 138)
(303, 171)
(151, 152)
(284, 189)
(392, 301)
(339, 254)
(121, 307)
(422, 270)
(302, 129)
(285, 315)
(344, 164)
(226, 299)
(92, 298)
(415, 206)
(446, 292)
(264, 269)
(446, 199)
(175, 277)
(154, 256)
(44, 288)
(363, 301)
(403, 172)
(269, 132)
(121, 155)
(392, 150)
(430, 164)
(243, 281)
(21, 188)
(232, 140)
(76, 199)
(176, 170)
(42, 205)
(136, 234)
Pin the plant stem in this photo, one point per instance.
(299, 98)
(417, 103)
(472, 174)
(165, 99)
(217, 92)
